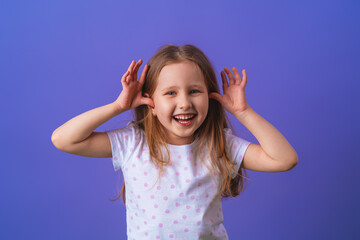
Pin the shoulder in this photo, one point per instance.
(130, 133)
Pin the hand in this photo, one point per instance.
(233, 100)
(131, 97)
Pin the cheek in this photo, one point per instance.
(163, 108)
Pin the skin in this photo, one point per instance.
(273, 154)
(181, 90)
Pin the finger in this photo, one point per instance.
(124, 77)
(147, 101)
(237, 76)
(224, 80)
(131, 66)
(143, 75)
(216, 96)
(137, 66)
(244, 81)
(230, 76)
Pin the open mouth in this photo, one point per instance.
(184, 119)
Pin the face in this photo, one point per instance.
(181, 101)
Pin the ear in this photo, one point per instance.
(151, 109)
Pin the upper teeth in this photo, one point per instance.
(184, 117)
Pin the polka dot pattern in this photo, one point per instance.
(182, 203)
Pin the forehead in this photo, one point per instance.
(180, 73)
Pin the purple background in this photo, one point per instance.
(59, 59)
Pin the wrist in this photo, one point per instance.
(242, 114)
(117, 109)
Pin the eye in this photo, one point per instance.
(170, 93)
(194, 91)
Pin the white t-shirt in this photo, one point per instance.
(182, 203)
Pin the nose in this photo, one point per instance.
(184, 102)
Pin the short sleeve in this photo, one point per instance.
(122, 140)
(235, 149)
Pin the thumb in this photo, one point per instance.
(147, 101)
(216, 96)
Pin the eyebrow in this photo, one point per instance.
(174, 87)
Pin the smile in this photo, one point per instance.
(185, 119)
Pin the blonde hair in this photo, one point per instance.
(211, 132)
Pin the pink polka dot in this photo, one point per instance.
(146, 234)
(138, 196)
(158, 188)
(115, 158)
(134, 178)
(160, 225)
(212, 185)
(207, 195)
(177, 174)
(198, 210)
(137, 214)
(153, 217)
(145, 184)
(199, 234)
(185, 168)
(132, 217)
(126, 137)
(198, 223)
(189, 158)
(218, 215)
(187, 180)
(235, 146)
(144, 210)
(173, 186)
(177, 204)
(179, 156)
(145, 222)
(186, 230)
(157, 237)
(192, 197)
(156, 206)
(145, 173)
(176, 222)
(152, 196)
(188, 207)
(131, 200)
(126, 169)
(138, 156)
(199, 184)
(134, 165)
(171, 236)
(240, 157)
(138, 227)
(181, 194)
(219, 208)
(165, 198)
(137, 205)
(184, 217)
(146, 161)
(167, 211)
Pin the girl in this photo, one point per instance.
(178, 157)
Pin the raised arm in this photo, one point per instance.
(77, 135)
(274, 154)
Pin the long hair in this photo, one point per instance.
(211, 132)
